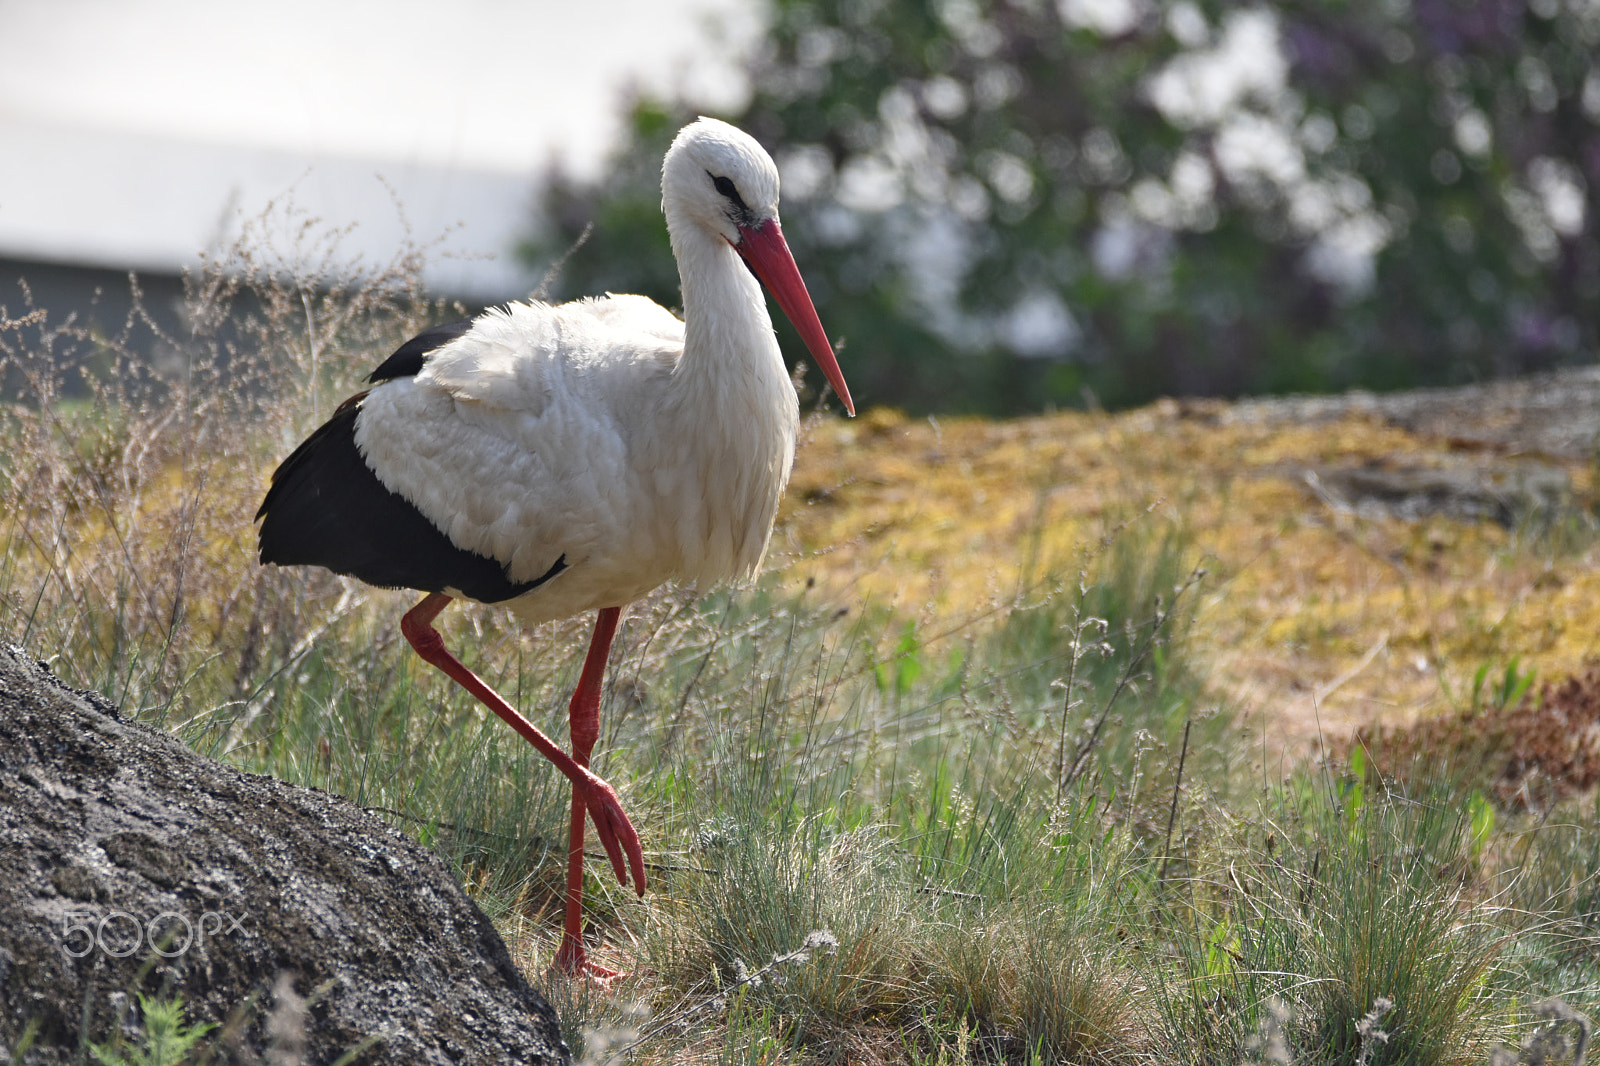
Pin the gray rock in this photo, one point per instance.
(1551, 414)
(1494, 451)
(1505, 491)
(301, 925)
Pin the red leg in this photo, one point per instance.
(611, 824)
(584, 717)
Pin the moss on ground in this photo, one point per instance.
(1322, 615)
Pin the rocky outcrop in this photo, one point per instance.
(303, 927)
(1495, 451)
(1551, 414)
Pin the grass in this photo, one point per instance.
(1351, 902)
(964, 779)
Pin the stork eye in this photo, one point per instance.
(726, 187)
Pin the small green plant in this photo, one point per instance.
(1491, 692)
(30, 1033)
(897, 674)
(1353, 789)
(164, 1038)
(1480, 815)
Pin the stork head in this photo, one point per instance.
(717, 177)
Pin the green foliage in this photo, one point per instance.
(1553, 876)
(164, 1038)
(1354, 789)
(1501, 693)
(30, 1033)
(1354, 915)
(756, 1036)
(898, 674)
(1480, 818)
(998, 205)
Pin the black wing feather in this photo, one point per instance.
(407, 359)
(327, 508)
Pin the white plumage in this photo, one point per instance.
(558, 459)
(584, 450)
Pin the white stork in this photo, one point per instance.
(568, 458)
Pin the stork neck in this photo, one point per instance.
(724, 311)
(727, 420)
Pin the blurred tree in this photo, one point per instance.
(1001, 205)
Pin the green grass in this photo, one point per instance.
(1024, 836)
(1332, 903)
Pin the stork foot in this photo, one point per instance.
(611, 825)
(572, 961)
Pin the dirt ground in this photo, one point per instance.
(1371, 560)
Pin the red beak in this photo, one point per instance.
(764, 248)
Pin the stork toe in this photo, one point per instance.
(615, 831)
